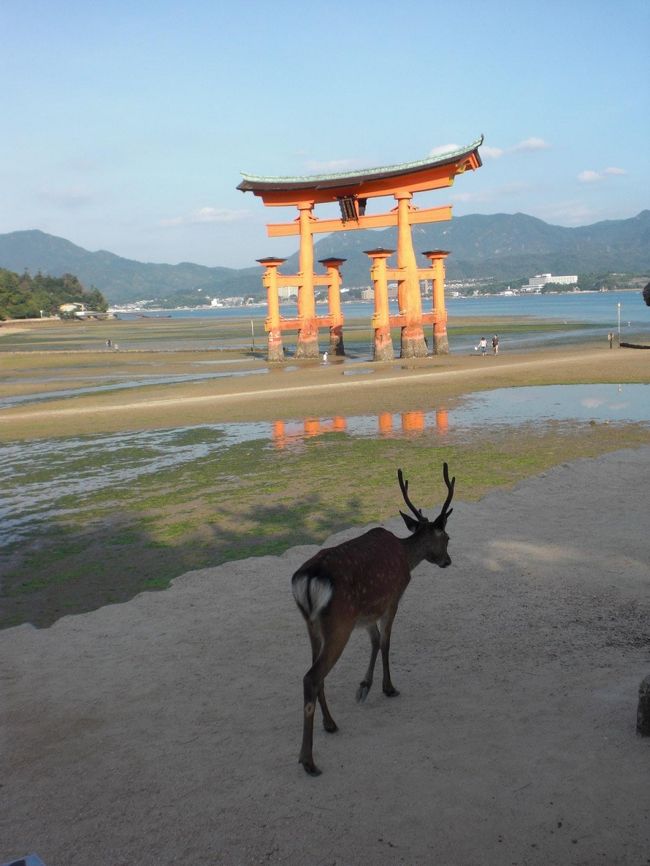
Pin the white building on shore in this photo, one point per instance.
(537, 283)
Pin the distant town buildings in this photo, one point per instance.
(77, 310)
(537, 283)
(287, 292)
(229, 302)
(455, 289)
(368, 293)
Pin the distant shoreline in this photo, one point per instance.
(344, 302)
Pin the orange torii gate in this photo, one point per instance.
(352, 191)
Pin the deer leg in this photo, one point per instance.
(328, 722)
(332, 646)
(366, 682)
(386, 626)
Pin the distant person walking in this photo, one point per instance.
(610, 337)
(482, 344)
(495, 344)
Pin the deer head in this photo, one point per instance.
(431, 533)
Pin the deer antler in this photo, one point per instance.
(404, 487)
(444, 513)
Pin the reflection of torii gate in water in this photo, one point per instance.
(352, 191)
(285, 434)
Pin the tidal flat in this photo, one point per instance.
(88, 544)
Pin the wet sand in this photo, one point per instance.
(299, 390)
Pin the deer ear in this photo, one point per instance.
(441, 520)
(411, 524)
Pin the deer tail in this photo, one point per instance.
(312, 593)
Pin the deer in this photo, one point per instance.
(359, 584)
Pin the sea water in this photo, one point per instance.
(602, 312)
(589, 307)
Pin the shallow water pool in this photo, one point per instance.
(49, 478)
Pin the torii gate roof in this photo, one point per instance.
(371, 181)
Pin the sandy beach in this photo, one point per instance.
(166, 730)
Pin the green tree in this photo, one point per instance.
(23, 296)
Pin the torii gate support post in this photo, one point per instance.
(307, 345)
(272, 325)
(413, 344)
(334, 304)
(383, 341)
(440, 339)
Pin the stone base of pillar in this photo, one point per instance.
(336, 341)
(383, 345)
(413, 343)
(275, 351)
(307, 344)
(307, 347)
(643, 711)
(440, 344)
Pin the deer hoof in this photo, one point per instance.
(330, 726)
(362, 691)
(391, 692)
(310, 768)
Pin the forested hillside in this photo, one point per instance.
(122, 280)
(25, 297)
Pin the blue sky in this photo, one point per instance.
(126, 124)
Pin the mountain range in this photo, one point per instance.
(498, 246)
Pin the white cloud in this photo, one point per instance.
(467, 197)
(528, 145)
(531, 144)
(491, 195)
(205, 215)
(591, 176)
(492, 152)
(569, 213)
(443, 148)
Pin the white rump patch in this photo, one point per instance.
(311, 594)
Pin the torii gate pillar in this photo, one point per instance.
(413, 344)
(333, 266)
(440, 339)
(307, 345)
(270, 283)
(383, 341)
